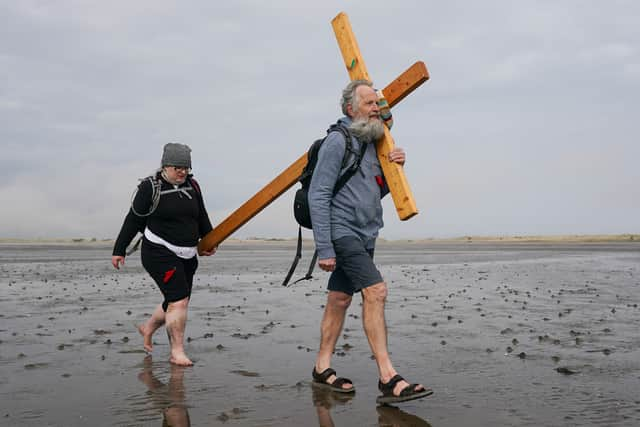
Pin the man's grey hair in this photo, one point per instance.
(349, 95)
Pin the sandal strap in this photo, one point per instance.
(410, 389)
(339, 382)
(324, 375)
(387, 388)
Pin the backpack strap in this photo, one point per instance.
(348, 149)
(195, 185)
(134, 248)
(155, 195)
(181, 190)
(312, 264)
(297, 257)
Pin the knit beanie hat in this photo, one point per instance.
(176, 155)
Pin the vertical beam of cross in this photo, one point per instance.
(393, 172)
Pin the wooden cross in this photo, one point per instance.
(395, 92)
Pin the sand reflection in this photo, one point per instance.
(169, 397)
(388, 416)
(391, 416)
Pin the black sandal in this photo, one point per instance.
(407, 393)
(320, 380)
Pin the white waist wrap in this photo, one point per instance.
(185, 252)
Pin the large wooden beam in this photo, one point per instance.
(402, 86)
(393, 172)
(406, 83)
(397, 90)
(254, 205)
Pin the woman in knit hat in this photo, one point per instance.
(168, 209)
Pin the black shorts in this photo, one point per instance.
(172, 274)
(355, 269)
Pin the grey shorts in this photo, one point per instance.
(355, 269)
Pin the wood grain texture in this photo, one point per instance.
(254, 205)
(394, 92)
(394, 174)
(406, 83)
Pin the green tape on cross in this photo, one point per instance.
(385, 110)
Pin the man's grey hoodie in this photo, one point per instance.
(356, 209)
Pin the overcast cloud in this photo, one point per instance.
(529, 124)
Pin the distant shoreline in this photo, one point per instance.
(568, 238)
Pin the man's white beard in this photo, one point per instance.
(367, 130)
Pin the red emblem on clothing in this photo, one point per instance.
(168, 275)
(380, 181)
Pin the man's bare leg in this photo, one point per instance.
(176, 321)
(152, 324)
(375, 327)
(324, 417)
(330, 329)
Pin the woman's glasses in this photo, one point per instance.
(181, 169)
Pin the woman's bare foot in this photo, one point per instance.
(148, 339)
(146, 375)
(180, 359)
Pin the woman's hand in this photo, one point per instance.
(116, 260)
(209, 253)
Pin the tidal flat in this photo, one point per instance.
(506, 334)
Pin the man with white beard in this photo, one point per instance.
(345, 228)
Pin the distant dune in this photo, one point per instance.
(566, 238)
(587, 238)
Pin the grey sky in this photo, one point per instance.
(529, 124)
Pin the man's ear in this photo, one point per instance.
(350, 110)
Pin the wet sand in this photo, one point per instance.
(524, 334)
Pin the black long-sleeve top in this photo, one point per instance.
(178, 219)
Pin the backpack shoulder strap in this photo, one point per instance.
(155, 186)
(348, 149)
(195, 185)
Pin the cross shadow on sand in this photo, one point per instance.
(170, 397)
(325, 400)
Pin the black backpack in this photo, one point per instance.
(301, 199)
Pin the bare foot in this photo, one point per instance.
(148, 339)
(181, 360)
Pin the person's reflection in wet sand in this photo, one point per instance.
(324, 400)
(170, 397)
(388, 416)
(391, 416)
